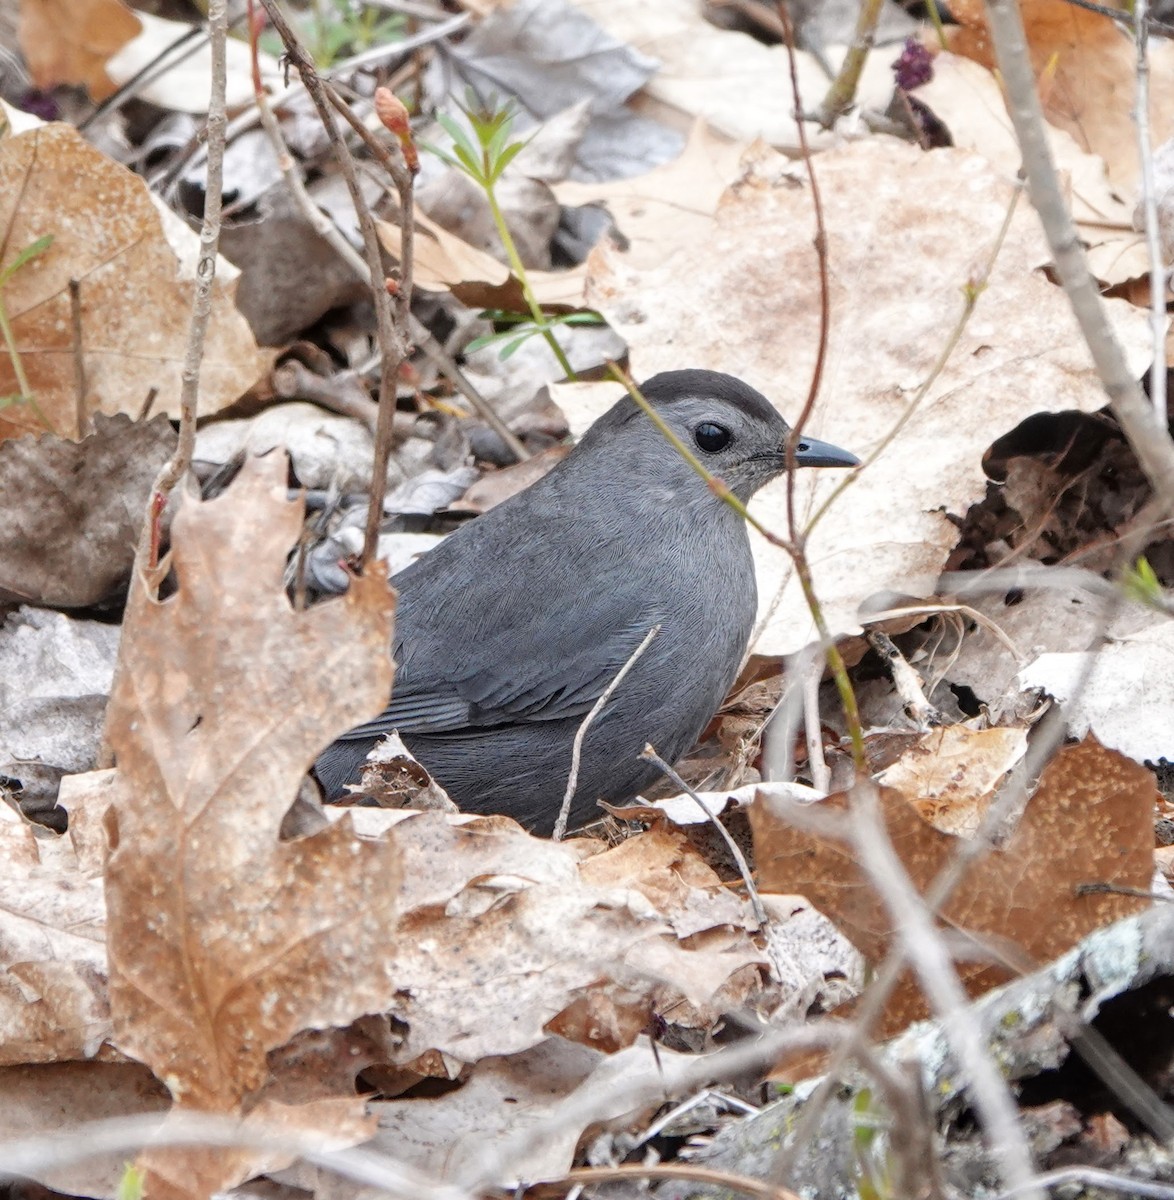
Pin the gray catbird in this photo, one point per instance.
(509, 631)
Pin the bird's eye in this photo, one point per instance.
(710, 437)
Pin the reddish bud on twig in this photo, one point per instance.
(389, 108)
(158, 503)
(391, 286)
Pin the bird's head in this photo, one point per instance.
(733, 430)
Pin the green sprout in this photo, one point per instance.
(1142, 585)
(337, 28)
(25, 395)
(483, 156)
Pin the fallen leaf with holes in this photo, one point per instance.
(223, 940)
(1085, 68)
(1089, 821)
(70, 41)
(134, 298)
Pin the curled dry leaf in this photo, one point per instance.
(506, 938)
(135, 298)
(1090, 820)
(1085, 65)
(223, 940)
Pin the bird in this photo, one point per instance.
(510, 630)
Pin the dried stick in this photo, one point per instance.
(564, 813)
(123, 1136)
(177, 466)
(79, 357)
(1146, 434)
(926, 950)
(392, 340)
(1149, 204)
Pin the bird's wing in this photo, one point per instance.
(496, 629)
(487, 688)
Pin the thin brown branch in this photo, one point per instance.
(820, 243)
(842, 94)
(79, 358)
(177, 466)
(727, 1180)
(392, 340)
(1146, 434)
(560, 825)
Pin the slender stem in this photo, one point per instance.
(177, 466)
(842, 94)
(1147, 436)
(1149, 204)
(22, 380)
(519, 269)
(564, 814)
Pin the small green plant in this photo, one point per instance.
(1142, 584)
(334, 29)
(483, 156)
(519, 329)
(873, 1178)
(25, 395)
(130, 1186)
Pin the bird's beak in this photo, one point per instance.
(813, 453)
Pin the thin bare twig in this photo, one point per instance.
(177, 466)
(760, 914)
(1146, 434)
(392, 340)
(79, 358)
(693, 1173)
(1149, 204)
(127, 1135)
(564, 812)
(842, 94)
(926, 950)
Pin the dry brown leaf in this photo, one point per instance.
(135, 298)
(1085, 68)
(52, 960)
(444, 262)
(674, 201)
(223, 940)
(449, 1135)
(497, 922)
(54, 1097)
(950, 774)
(967, 96)
(907, 232)
(740, 85)
(1089, 821)
(69, 41)
(73, 509)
